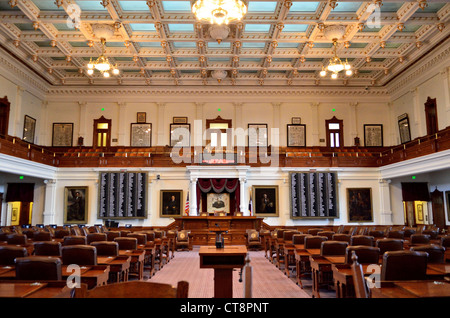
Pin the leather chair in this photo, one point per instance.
(332, 248)
(434, 234)
(341, 237)
(76, 231)
(352, 230)
(362, 240)
(397, 234)
(314, 242)
(182, 240)
(8, 253)
(376, 233)
(79, 254)
(60, 233)
(328, 234)
(106, 248)
(74, 240)
(389, 244)
(436, 253)
(420, 239)
(45, 248)
(111, 235)
(409, 231)
(404, 265)
(445, 241)
(38, 268)
(141, 237)
(299, 239)
(159, 234)
(150, 236)
(340, 229)
(126, 243)
(17, 239)
(287, 235)
(124, 233)
(95, 237)
(42, 236)
(314, 231)
(254, 240)
(365, 254)
(279, 233)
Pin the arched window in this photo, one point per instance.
(334, 129)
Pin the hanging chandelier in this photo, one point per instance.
(219, 11)
(102, 64)
(335, 64)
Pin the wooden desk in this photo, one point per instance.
(289, 258)
(320, 273)
(137, 260)
(29, 289)
(223, 260)
(412, 289)
(119, 266)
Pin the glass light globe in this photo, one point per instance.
(106, 74)
(348, 72)
(116, 71)
(90, 71)
(323, 73)
(90, 66)
(334, 76)
(347, 66)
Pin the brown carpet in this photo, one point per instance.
(268, 280)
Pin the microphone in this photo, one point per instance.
(219, 239)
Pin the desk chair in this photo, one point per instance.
(79, 254)
(45, 248)
(38, 268)
(8, 253)
(404, 265)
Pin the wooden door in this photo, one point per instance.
(335, 132)
(4, 116)
(437, 204)
(431, 116)
(102, 133)
(24, 213)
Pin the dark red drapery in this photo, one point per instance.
(207, 185)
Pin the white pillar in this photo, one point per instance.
(418, 115)
(18, 117)
(385, 203)
(242, 197)
(193, 197)
(393, 126)
(122, 128)
(82, 122)
(354, 123)
(446, 81)
(315, 124)
(43, 126)
(49, 212)
(276, 124)
(161, 124)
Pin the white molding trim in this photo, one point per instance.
(25, 167)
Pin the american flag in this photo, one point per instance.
(186, 208)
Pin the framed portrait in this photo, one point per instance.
(141, 117)
(180, 135)
(265, 200)
(373, 135)
(257, 135)
(141, 135)
(218, 202)
(75, 205)
(29, 127)
(404, 128)
(296, 135)
(359, 204)
(171, 203)
(62, 135)
(419, 210)
(180, 120)
(296, 120)
(14, 214)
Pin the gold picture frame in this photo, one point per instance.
(359, 205)
(170, 203)
(76, 205)
(265, 200)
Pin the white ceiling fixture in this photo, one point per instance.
(219, 32)
(335, 64)
(102, 63)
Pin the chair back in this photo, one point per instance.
(420, 239)
(432, 233)
(45, 248)
(389, 244)
(17, 239)
(331, 248)
(314, 231)
(8, 253)
(76, 231)
(183, 236)
(74, 240)
(42, 236)
(376, 233)
(445, 241)
(340, 229)
(404, 265)
(79, 254)
(287, 235)
(126, 243)
(106, 248)
(111, 235)
(328, 234)
(436, 253)
(362, 240)
(341, 237)
(95, 237)
(365, 254)
(396, 234)
(299, 239)
(60, 233)
(141, 237)
(137, 289)
(359, 282)
(313, 242)
(150, 235)
(409, 231)
(38, 268)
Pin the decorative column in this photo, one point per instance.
(161, 123)
(49, 213)
(392, 125)
(385, 203)
(315, 124)
(18, 124)
(122, 128)
(198, 130)
(193, 197)
(242, 197)
(43, 131)
(82, 121)
(353, 121)
(446, 81)
(418, 114)
(276, 125)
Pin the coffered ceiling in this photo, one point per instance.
(277, 43)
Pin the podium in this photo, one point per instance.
(223, 261)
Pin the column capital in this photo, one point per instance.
(122, 104)
(314, 104)
(276, 104)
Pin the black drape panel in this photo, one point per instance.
(415, 191)
(23, 192)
